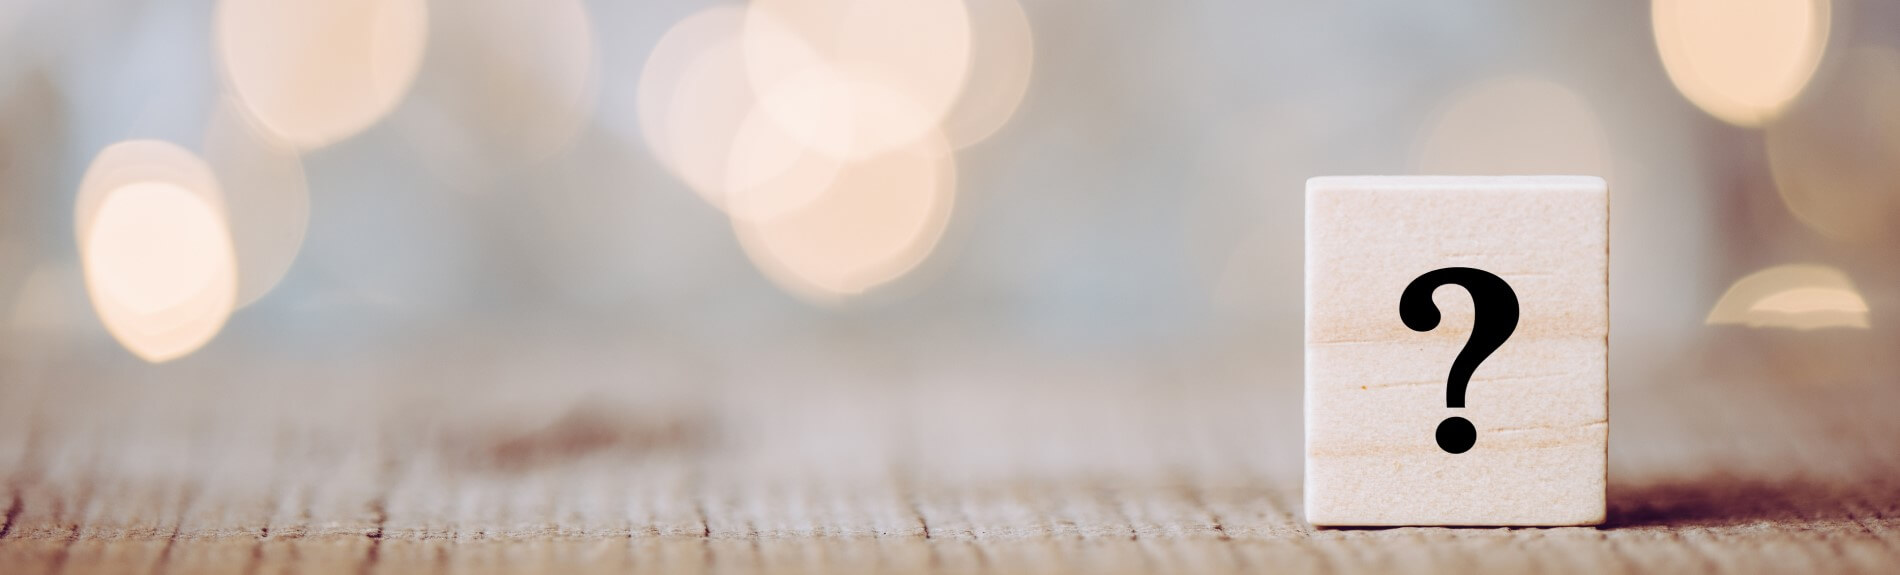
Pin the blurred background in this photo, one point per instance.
(530, 203)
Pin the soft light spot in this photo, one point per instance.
(1801, 297)
(874, 76)
(159, 265)
(843, 115)
(770, 172)
(702, 119)
(1740, 60)
(154, 247)
(314, 72)
(1513, 126)
(877, 220)
(138, 161)
(1811, 300)
(694, 96)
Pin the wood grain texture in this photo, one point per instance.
(981, 464)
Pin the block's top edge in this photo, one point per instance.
(1455, 182)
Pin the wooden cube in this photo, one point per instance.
(1377, 377)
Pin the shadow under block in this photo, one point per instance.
(1376, 389)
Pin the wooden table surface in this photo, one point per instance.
(593, 459)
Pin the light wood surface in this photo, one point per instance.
(1377, 388)
(872, 459)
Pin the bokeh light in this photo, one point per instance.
(1741, 60)
(158, 261)
(1002, 59)
(770, 171)
(137, 161)
(693, 96)
(1836, 155)
(858, 78)
(820, 128)
(702, 119)
(1514, 125)
(879, 219)
(267, 200)
(1799, 296)
(314, 72)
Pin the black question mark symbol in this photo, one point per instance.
(1494, 311)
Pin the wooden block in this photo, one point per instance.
(1377, 377)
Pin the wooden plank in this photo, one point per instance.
(1771, 479)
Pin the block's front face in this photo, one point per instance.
(1376, 389)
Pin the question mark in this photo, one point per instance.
(1494, 311)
